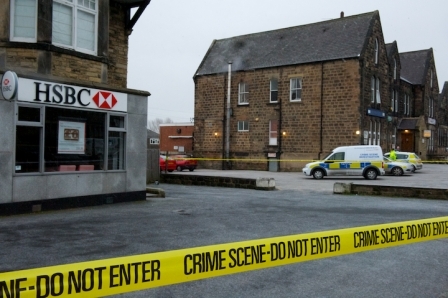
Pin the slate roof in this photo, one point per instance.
(408, 123)
(340, 38)
(152, 134)
(414, 66)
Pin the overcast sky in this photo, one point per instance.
(171, 38)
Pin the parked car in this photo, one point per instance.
(397, 168)
(185, 162)
(366, 161)
(169, 165)
(410, 157)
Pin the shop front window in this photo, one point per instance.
(29, 125)
(62, 139)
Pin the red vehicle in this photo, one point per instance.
(185, 162)
(167, 166)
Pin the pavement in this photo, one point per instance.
(430, 176)
(195, 216)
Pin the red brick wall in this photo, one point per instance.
(176, 131)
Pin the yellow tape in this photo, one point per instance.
(133, 273)
(288, 160)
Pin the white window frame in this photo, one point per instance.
(395, 69)
(13, 37)
(243, 125)
(376, 50)
(431, 108)
(392, 101)
(243, 94)
(378, 93)
(430, 82)
(375, 90)
(273, 89)
(295, 89)
(407, 105)
(378, 133)
(273, 134)
(76, 8)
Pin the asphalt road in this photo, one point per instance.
(192, 216)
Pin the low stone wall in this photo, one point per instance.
(391, 191)
(260, 183)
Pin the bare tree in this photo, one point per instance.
(154, 125)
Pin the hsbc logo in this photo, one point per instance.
(68, 95)
(104, 100)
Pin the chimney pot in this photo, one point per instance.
(342, 14)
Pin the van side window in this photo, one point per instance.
(338, 156)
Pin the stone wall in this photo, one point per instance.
(391, 191)
(107, 67)
(261, 183)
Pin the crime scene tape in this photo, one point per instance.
(444, 161)
(133, 273)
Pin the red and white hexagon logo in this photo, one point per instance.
(104, 100)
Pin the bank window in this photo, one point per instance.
(273, 90)
(23, 20)
(243, 94)
(273, 132)
(295, 93)
(54, 140)
(243, 125)
(75, 24)
(29, 124)
(116, 142)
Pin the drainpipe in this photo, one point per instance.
(361, 127)
(321, 108)
(279, 134)
(228, 116)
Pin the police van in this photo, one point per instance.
(366, 161)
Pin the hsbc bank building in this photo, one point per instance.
(70, 142)
(72, 133)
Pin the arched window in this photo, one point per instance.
(431, 79)
(395, 69)
(376, 50)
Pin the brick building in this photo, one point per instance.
(176, 138)
(71, 129)
(275, 100)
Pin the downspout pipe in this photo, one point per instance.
(229, 80)
(321, 109)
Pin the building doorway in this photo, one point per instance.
(407, 141)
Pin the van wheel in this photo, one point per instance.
(397, 171)
(370, 174)
(413, 169)
(318, 174)
(179, 169)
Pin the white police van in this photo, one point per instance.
(363, 160)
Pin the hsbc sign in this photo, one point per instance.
(70, 96)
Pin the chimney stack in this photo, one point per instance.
(342, 14)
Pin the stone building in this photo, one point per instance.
(278, 99)
(72, 131)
